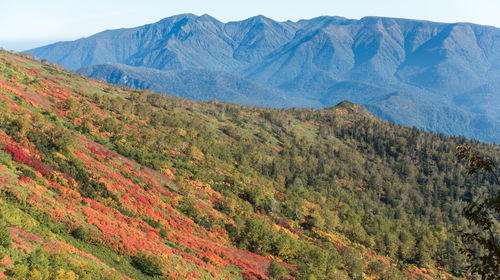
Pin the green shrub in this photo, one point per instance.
(352, 260)
(163, 232)
(148, 264)
(5, 159)
(39, 260)
(186, 206)
(5, 239)
(18, 271)
(80, 233)
(152, 223)
(376, 267)
(30, 174)
(276, 270)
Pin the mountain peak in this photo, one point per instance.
(260, 18)
(254, 20)
(207, 17)
(188, 16)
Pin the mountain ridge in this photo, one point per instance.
(437, 64)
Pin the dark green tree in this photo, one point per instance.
(482, 214)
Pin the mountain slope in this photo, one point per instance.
(197, 84)
(105, 181)
(431, 65)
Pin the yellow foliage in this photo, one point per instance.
(35, 274)
(181, 132)
(58, 178)
(367, 277)
(65, 275)
(59, 155)
(18, 218)
(167, 171)
(197, 153)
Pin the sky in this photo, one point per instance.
(26, 24)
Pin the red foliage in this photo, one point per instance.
(25, 179)
(19, 156)
(101, 152)
(5, 262)
(249, 275)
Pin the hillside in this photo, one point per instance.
(435, 76)
(103, 181)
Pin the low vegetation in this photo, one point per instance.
(103, 180)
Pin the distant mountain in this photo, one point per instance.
(437, 76)
(199, 84)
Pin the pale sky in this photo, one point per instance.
(30, 23)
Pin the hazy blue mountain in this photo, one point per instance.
(199, 84)
(441, 77)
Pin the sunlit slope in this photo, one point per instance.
(102, 180)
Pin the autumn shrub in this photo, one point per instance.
(148, 264)
(19, 156)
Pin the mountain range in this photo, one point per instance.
(437, 76)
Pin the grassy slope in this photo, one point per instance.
(142, 208)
